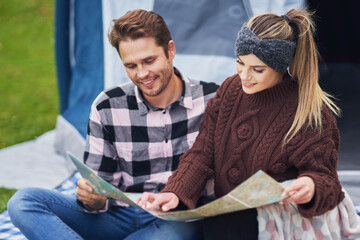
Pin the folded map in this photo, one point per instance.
(258, 190)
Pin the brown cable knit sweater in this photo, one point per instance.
(242, 133)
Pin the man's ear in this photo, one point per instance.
(171, 49)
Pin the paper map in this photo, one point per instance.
(259, 190)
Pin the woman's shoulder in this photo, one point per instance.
(329, 131)
(329, 124)
(230, 84)
(327, 115)
(234, 79)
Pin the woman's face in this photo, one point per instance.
(255, 75)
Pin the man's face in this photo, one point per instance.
(147, 65)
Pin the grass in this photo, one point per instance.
(4, 197)
(29, 101)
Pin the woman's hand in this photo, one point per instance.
(87, 196)
(301, 191)
(154, 201)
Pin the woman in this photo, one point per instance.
(273, 116)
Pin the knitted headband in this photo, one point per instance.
(275, 53)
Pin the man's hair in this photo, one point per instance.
(137, 24)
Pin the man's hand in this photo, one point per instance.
(301, 191)
(154, 201)
(88, 196)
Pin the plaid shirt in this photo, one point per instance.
(136, 147)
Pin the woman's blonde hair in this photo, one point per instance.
(298, 26)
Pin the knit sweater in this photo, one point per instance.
(242, 133)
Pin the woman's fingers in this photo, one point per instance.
(157, 201)
(173, 203)
(300, 191)
(144, 199)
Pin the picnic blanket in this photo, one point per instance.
(10, 232)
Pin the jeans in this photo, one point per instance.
(47, 214)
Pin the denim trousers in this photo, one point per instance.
(47, 214)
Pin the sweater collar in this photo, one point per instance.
(276, 94)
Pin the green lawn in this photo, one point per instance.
(4, 197)
(29, 101)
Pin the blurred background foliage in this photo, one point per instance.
(28, 88)
(29, 101)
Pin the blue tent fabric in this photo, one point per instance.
(80, 71)
(62, 50)
(216, 25)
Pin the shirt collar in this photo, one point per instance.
(185, 99)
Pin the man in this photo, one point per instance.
(136, 135)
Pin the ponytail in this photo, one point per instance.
(305, 70)
(298, 26)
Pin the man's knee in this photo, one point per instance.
(20, 203)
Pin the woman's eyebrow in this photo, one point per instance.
(253, 65)
(259, 66)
